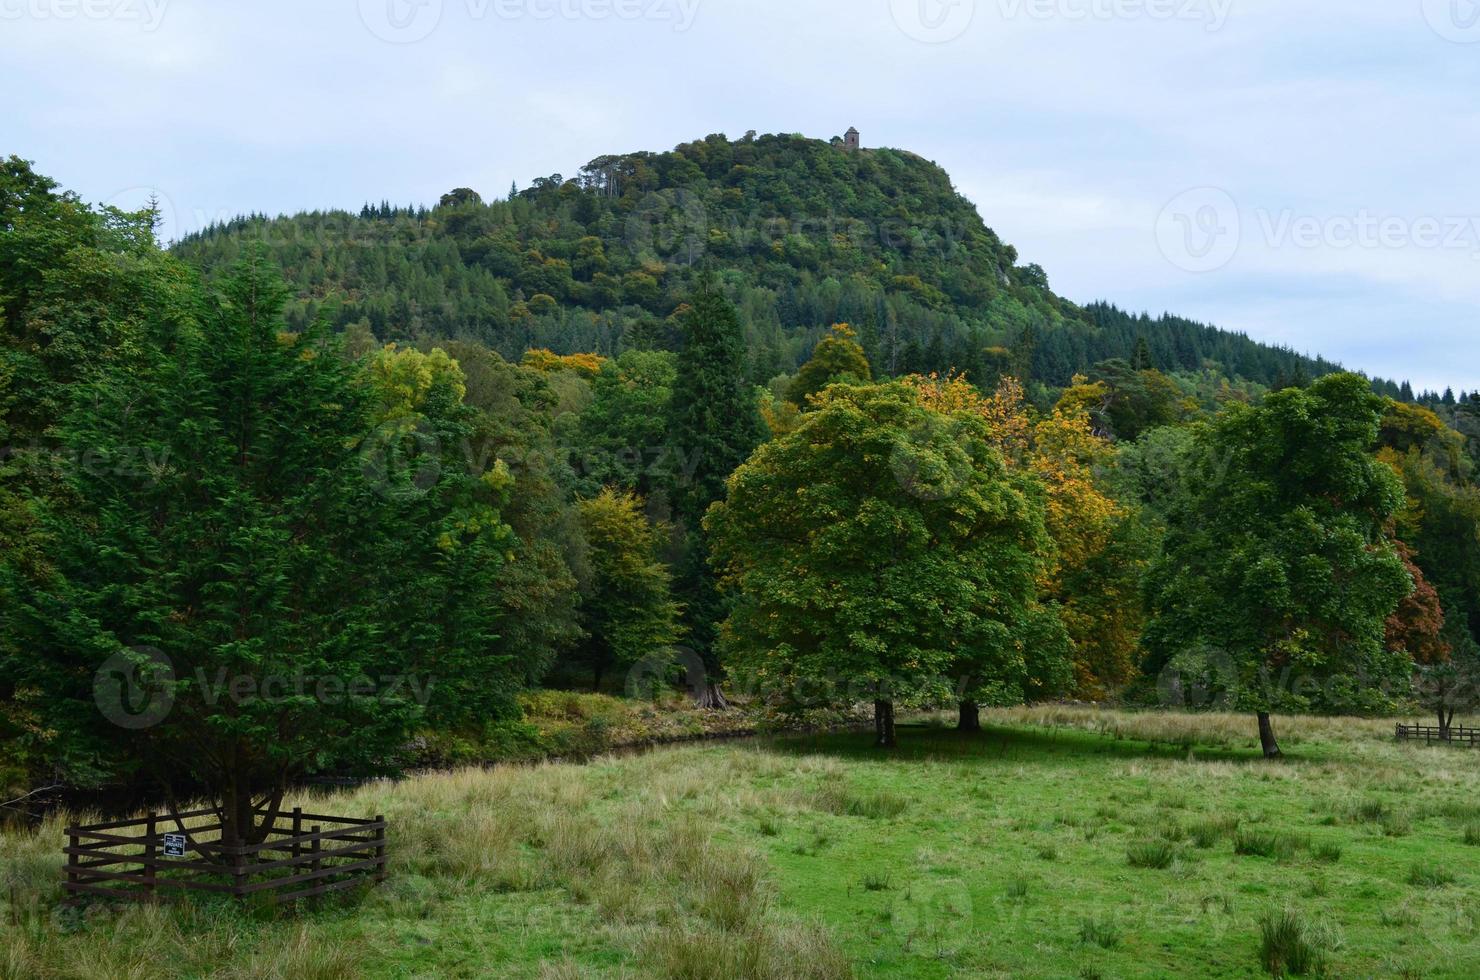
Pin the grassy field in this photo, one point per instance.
(1058, 843)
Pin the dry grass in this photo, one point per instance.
(1210, 729)
(602, 843)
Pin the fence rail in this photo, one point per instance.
(1433, 733)
(303, 855)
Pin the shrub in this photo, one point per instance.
(1287, 946)
(874, 881)
(1151, 854)
(1048, 852)
(1472, 834)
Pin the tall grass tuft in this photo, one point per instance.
(1101, 932)
(1156, 854)
(1430, 876)
(1288, 947)
(1264, 843)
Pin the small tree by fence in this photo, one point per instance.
(302, 855)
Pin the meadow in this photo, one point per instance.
(1059, 842)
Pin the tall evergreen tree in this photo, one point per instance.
(715, 424)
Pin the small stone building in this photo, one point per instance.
(850, 139)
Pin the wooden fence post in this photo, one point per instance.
(314, 847)
(151, 868)
(72, 863)
(380, 849)
(297, 846)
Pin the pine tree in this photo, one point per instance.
(715, 424)
(1141, 360)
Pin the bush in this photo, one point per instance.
(1287, 946)
(1472, 834)
(1156, 854)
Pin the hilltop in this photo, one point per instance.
(804, 233)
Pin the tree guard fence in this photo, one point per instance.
(303, 855)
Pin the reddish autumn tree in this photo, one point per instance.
(1417, 625)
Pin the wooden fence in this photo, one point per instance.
(303, 855)
(1433, 733)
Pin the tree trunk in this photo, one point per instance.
(971, 717)
(884, 725)
(1266, 737)
(713, 699)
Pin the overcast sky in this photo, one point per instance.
(1303, 170)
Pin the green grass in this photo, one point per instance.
(1000, 854)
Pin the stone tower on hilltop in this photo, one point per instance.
(850, 139)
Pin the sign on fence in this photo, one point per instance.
(174, 845)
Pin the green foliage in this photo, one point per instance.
(837, 357)
(805, 235)
(1277, 573)
(877, 546)
(253, 550)
(629, 612)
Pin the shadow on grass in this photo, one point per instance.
(1001, 743)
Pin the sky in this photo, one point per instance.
(1304, 171)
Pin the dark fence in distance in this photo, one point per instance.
(147, 858)
(1433, 733)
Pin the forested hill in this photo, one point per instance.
(805, 233)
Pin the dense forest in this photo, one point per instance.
(802, 234)
(765, 417)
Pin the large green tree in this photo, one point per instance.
(881, 548)
(269, 550)
(714, 423)
(1278, 576)
(629, 612)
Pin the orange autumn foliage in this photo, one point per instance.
(1096, 588)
